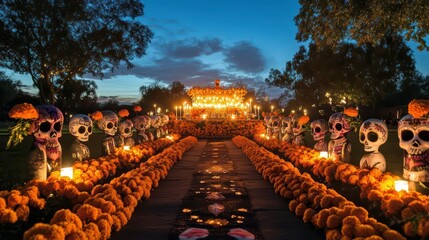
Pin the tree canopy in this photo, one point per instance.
(330, 22)
(55, 41)
(349, 74)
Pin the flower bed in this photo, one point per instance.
(29, 201)
(324, 207)
(223, 129)
(110, 206)
(408, 210)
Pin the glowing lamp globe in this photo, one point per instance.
(401, 185)
(67, 172)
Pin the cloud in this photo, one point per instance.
(245, 57)
(190, 48)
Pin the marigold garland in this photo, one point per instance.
(418, 108)
(137, 108)
(303, 120)
(97, 115)
(23, 111)
(123, 113)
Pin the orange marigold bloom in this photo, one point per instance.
(303, 120)
(123, 113)
(2, 203)
(364, 230)
(137, 108)
(91, 230)
(409, 229)
(351, 112)
(105, 229)
(97, 115)
(360, 213)
(333, 221)
(7, 215)
(392, 235)
(45, 231)
(418, 108)
(23, 111)
(89, 212)
(66, 215)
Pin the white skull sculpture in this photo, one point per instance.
(140, 123)
(413, 136)
(155, 121)
(80, 126)
(286, 125)
(126, 128)
(47, 128)
(109, 122)
(319, 128)
(372, 134)
(298, 129)
(148, 120)
(338, 125)
(275, 126)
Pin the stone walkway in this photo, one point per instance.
(158, 217)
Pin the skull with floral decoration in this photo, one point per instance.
(299, 128)
(413, 134)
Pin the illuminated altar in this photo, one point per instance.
(217, 102)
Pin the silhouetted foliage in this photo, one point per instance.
(78, 96)
(55, 41)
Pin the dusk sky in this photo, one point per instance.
(197, 41)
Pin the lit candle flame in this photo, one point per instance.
(126, 148)
(401, 185)
(67, 172)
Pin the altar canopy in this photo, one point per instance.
(217, 102)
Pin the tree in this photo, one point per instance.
(55, 41)
(330, 22)
(347, 75)
(77, 96)
(155, 96)
(8, 89)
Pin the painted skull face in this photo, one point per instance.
(274, 122)
(164, 119)
(140, 123)
(338, 125)
(372, 134)
(126, 128)
(47, 129)
(155, 121)
(109, 123)
(319, 128)
(413, 136)
(298, 129)
(286, 125)
(80, 126)
(148, 120)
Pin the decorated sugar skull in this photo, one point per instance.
(148, 120)
(109, 123)
(372, 134)
(300, 125)
(164, 119)
(413, 136)
(126, 128)
(46, 129)
(286, 125)
(140, 123)
(80, 126)
(155, 121)
(339, 125)
(319, 128)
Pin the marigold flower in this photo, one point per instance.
(360, 213)
(44, 231)
(97, 115)
(409, 229)
(137, 108)
(23, 111)
(348, 230)
(394, 205)
(77, 235)
(22, 212)
(392, 235)
(333, 234)
(68, 216)
(333, 221)
(300, 209)
(123, 113)
(2, 203)
(418, 108)
(423, 228)
(88, 212)
(7, 215)
(303, 120)
(105, 229)
(91, 230)
(364, 230)
(351, 112)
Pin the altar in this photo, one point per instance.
(217, 102)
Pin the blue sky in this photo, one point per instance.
(197, 41)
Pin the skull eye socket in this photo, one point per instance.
(372, 136)
(407, 135)
(45, 127)
(424, 135)
(338, 126)
(331, 126)
(276, 124)
(81, 129)
(317, 130)
(109, 125)
(141, 125)
(90, 129)
(285, 125)
(362, 137)
(126, 130)
(57, 126)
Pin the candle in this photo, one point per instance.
(323, 154)
(401, 185)
(126, 148)
(67, 172)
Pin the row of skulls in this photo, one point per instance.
(46, 152)
(413, 134)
